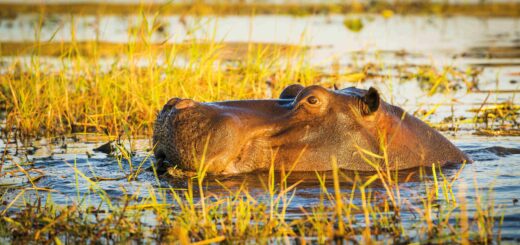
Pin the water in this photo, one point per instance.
(487, 45)
(496, 169)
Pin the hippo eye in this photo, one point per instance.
(313, 100)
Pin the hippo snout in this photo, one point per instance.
(189, 134)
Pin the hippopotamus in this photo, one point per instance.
(305, 129)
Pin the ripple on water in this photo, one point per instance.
(494, 172)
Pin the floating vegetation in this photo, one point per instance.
(353, 24)
(387, 13)
(445, 80)
(499, 132)
(498, 119)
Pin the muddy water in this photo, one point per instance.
(491, 46)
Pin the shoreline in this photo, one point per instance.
(7, 10)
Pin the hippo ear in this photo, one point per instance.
(291, 91)
(371, 100)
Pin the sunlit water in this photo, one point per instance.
(459, 41)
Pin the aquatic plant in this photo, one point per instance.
(353, 24)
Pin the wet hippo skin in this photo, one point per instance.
(301, 131)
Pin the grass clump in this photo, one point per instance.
(85, 94)
(501, 115)
(500, 119)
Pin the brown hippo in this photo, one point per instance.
(301, 131)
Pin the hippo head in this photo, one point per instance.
(300, 131)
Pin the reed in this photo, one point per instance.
(83, 95)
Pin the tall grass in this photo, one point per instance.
(85, 94)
